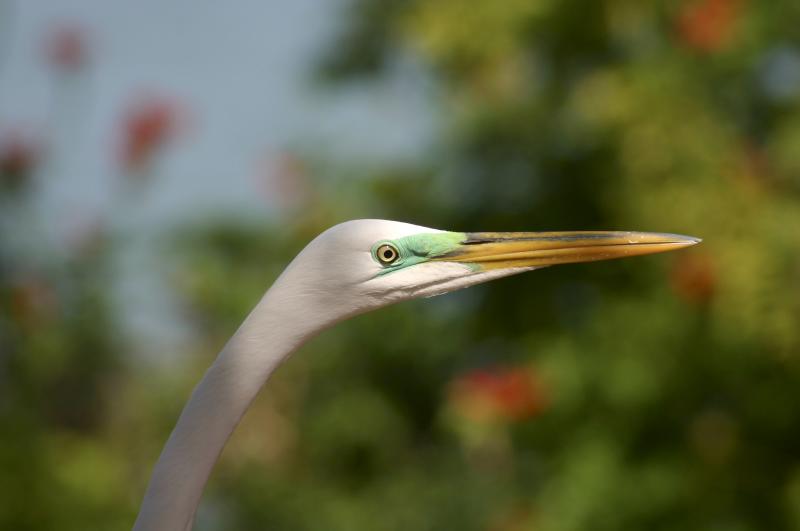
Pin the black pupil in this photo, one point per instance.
(388, 254)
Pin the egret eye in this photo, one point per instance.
(387, 254)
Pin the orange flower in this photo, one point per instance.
(32, 300)
(694, 277)
(511, 394)
(707, 25)
(146, 128)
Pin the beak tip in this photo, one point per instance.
(680, 239)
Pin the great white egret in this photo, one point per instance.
(349, 269)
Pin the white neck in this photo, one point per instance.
(277, 326)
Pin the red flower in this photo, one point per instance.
(707, 25)
(694, 277)
(66, 47)
(506, 394)
(284, 180)
(88, 239)
(18, 158)
(146, 128)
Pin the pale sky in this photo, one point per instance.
(240, 68)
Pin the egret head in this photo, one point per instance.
(351, 268)
(360, 265)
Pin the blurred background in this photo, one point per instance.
(161, 162)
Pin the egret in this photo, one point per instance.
(349, 269)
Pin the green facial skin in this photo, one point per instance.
(419, 248)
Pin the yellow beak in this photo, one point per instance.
(496, 250)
